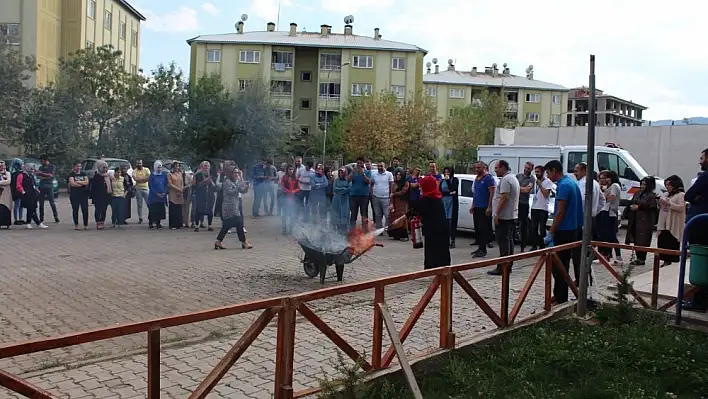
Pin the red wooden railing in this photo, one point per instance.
(285, 309)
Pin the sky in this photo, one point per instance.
(647, 51)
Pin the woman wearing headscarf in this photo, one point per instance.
(101, 193)
(291, 189)
(340, 201)
(204, 187)
(118, 201)
(232, 189)
(431, 210)
(157, 197)
(5, 196)
(129, 187)
(16, 170)
(175, 195)
(399, 205)
(448, 188)
(29, 195)
(641, 219)
(672, 218)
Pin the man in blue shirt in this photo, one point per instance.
(567, 224)
(697, 197)
(359, 192)
(481, 210)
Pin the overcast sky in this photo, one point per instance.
(648, 51)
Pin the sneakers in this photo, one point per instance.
(42, 226)
(28, 226)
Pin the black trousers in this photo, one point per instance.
(230, 223)
(505, 237)
(80, 202)
(560, 288)
(99, 211)
(358, 204)
(524, 224)
(539, 217)
(482, 228)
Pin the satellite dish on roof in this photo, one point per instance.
(450, 61)
(435, 61)
(349, 19)
(244, 17)
(505, 65)
(494, 65)
(428, 64)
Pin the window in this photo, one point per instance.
(432, 91)
(122, 30)
(399, 91)
(283, 113)
(457, 93)
(281, 87)
(305, 104)
(556, 99)
(305, 130)
(326, 118)
(306, 76)
(121, 62)
(398, 63)
(533, 98)
(330, 90)
(134, 69)
(555, 119)
(282, 60)
(363, 61)
(609, 161)
(532, 117)
(107, 19)
(466, 188)
(362, 89)
(330, 62)
(575, 158)
(89, 44)
(91, 12)
(213, 55)
(250, 57)
(10, 34)
(243, 84)
(134, 38)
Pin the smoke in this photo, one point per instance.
(320, 237)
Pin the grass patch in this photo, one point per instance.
(568, 358)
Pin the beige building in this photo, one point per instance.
(530, 102)
(311, 74)
(610, 110)
(51, 29)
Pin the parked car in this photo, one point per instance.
(88, 166)
(37, 163)
(186, 168)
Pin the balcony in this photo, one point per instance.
(329, 102)
(512, 106)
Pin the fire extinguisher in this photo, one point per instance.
(416, 232)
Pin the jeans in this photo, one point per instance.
(539, 218)
(258, 197)
(80, 202)
(230, 223)
(380, 206)
(505, 237)
(17, 209)
(358, 204)
(281, 202)
(118, 208)
(482, 228)
(141, 197)
(47, 193)
(318, 208)
(524, 224)
(287, 212)
(269, 197)
(560, 287)
(303, 205)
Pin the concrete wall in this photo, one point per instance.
(661, 150)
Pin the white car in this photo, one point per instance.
(465, 221)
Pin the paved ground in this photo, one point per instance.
(58, 281)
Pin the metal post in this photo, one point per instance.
(589, 186)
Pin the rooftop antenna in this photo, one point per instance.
(277, 21)
(244, 17)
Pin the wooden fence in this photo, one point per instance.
(285, 310)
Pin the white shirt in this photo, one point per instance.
(382, 183)
(539, 200)
(596, 193)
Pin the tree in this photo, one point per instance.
(373, 127)
(419, 116)
(474, 124)
(15, 73)
(99, 76)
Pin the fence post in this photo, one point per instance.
(153, 363)
(447, 337)
(504, 311)
(655, 282)
(285, 350)
(377, 336)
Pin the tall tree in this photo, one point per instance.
(419, 116)
(15, 73)
(373, 126)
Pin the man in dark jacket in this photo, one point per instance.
(697, 197)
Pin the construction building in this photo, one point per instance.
(610, 110)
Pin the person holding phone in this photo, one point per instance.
(359, 192)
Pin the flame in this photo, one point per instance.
(361, 238)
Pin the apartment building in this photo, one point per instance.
(530, 102)
(51, 29)
(311, 74)
(610, 110)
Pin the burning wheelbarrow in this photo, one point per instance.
(315, 261)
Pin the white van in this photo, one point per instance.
(608, 157)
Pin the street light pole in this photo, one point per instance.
(326, 111)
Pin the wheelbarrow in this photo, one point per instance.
(316, 261)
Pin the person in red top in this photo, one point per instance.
(291, 188)
(29, 194)
(436, 240)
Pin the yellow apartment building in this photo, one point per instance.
(51, 29)
(530, 102)
(311, 74)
